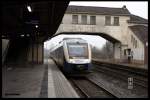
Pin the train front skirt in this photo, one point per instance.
(76, 68)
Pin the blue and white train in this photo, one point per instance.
(73, 55)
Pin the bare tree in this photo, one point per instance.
(105, 53)
(107, 50)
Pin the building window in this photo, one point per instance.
(107, 20)
(74, 19)
(125, 52)
(116, 21)
(131, 39)
(135, 43)
(93, 20)
(84, 19)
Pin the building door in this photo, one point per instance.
(129, 55)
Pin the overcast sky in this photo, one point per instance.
(139, 8)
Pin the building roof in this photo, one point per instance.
(137, 20)
(141, 32)
(98, 10)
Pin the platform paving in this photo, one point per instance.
(22, 81)
(35, 81)
(58, 85)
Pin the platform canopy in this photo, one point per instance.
(31, 19)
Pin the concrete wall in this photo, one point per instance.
(40, 53)
(117, 50)
(30, 53)
(35, 53)
(5, 46)
(117, 32)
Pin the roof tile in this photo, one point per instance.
(97, 10)
(137, 20)
(140, 31)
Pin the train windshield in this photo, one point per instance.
(78, 51)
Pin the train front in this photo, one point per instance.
(78, 57)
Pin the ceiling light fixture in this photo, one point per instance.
(28, 35)
(22, 35)
(36, 26)
(29, 8)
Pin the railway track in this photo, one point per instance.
(139, 80)
(90, 89)
(137, 71)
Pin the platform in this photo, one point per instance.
(22, 81)
(35, 81)
(58, 85)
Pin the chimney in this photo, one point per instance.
(124, 7)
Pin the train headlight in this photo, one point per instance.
(72, 61)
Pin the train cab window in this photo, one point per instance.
(78, 51)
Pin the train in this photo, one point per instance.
(73, 56)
